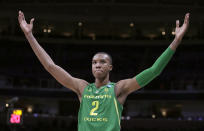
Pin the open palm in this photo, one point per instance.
(26, 28)
(180, 31)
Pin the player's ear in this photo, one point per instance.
(110, 67)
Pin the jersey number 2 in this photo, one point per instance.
(96, 104)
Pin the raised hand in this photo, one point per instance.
(26, 28)
(180, 31)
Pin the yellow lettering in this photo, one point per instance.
(97, 97)
(92, 119)
(99, 119)
(105, 119)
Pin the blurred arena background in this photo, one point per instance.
(134, 32)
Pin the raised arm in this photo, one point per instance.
(125, 87)
(57, 72)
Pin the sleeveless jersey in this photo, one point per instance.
(99, 109)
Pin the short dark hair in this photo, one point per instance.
(111, 60)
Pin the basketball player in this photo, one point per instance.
(101, 102)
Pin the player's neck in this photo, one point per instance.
(101, 82)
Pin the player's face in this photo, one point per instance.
(101, 65)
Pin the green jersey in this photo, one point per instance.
(99, 109)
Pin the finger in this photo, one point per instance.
(177, 23)
(19, 12)
(31, 21)
(19, 16)
(23, 17)
(186, 20)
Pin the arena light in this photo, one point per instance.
(153, 116)
(15, 116)
(29, 109)
(44, 30)
(80, 24)
(128, 117)
(123, 118)
(131, 24)
(164, 112)
(49, 30)
(7, 105)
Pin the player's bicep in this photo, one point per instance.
(128, 86)
(66, 79)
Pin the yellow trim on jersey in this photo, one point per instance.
(116, 107)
